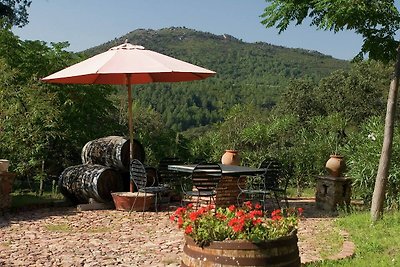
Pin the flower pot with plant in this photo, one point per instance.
(239, 236)
(229, 136)
(335, 165)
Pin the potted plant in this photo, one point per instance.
(229, 135)
(336, 164)
(239, 236)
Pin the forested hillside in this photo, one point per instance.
(246, 73)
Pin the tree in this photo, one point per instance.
(14, 12)
(377, 21)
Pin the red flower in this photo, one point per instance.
(276, 215)
(232, 208)
(202, 210)
(239, 213)
(193, 216)
(172, 218)
(189, 229)
(248, 205)
(180, 210)
(220, 216)
(180, 222)
(190, 205)
(256, 222)
(256, 213)
(276, 218)
(238, 228)
(258, 206)
(300, 210)
(237, 224)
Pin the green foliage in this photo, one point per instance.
(158, 140)
(356, 94)
(19, 200)
(376, 21)
(41, 122)
(247, 73)
(364, 150)
(14, 12)
(312, 121)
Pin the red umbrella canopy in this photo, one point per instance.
(129, 64)
(144, 66)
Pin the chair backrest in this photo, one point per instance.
(205, 177)
(273, 177)
(167, 176)
(138, 174)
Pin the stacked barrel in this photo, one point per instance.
(104, 169)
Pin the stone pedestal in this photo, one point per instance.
(6, 182)
(228, 191)
(332, 192)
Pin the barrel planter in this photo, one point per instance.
(279, 252)
(111, 151)
(82, 182)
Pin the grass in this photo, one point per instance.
(306, 192)
(332, 240)
(19, 200)
(97, 230)
(376, 244)
(58, 227)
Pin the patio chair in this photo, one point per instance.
(276, 180)
(202, 182)
(170, 179)
(167, 177)
(271, 184)
(139, 178)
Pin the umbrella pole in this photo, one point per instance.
(130, 124)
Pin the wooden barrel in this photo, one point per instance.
(111, 151)
(82, 182)
(280, 252)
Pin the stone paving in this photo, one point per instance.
(66, 237)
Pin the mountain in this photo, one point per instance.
(246, 73)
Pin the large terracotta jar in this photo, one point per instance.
(231, 157)
(335, 165)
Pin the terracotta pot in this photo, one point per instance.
(231, 157)
(335, 165)
(279, 252)
(4, 164)
(125, 201)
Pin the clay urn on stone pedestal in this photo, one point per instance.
(335, 165)
(231, 157)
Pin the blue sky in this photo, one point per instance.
(92, 22)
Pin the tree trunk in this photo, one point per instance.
(378, 197)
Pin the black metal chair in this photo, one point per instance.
(271, 184)
(202, 182)
(139, 178)
(276, 180)
(168, 178)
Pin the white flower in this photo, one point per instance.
(372, 136)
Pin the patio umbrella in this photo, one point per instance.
(129, 64)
